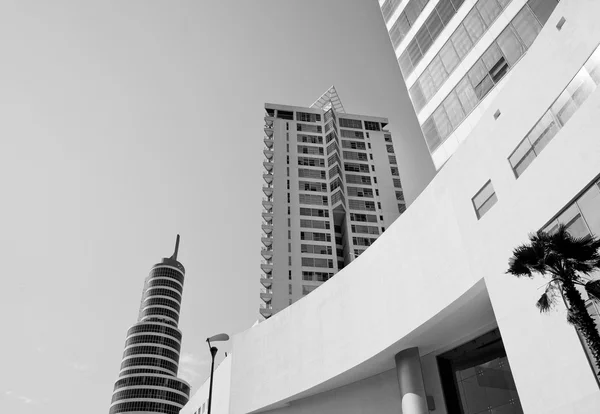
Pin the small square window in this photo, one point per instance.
(484, 199)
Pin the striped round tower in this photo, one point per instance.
(148, 380)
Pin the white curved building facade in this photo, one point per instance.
(148, 380)
(426, 320)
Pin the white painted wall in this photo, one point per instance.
(221, 392)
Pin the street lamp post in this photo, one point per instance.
(213, 353)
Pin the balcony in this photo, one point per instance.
(268, 217)
(269, 132)
(267, 228)
(268, 153)
(266, 311)
(266, 295)
(267, 204)
(267, 241)
(269, 121)
(268, 165)
(266, 281)
(269, 142)
(267, 253)
(266, 267)
(268, 190)
(268, 178)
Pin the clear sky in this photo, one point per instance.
(123, 123)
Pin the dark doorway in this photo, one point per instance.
(477, 379)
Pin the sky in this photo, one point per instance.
(123, 123)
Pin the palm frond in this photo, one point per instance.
(526, 259)
(545, 302)
(593, 289)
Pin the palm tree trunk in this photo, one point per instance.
(583, 320)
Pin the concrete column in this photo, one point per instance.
(410, 380)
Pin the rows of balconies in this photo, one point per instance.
(266, 265)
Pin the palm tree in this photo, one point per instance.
(569, 262)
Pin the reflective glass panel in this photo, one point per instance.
(489, 10)
(438, 72)
(466, 95)
(454, 110)
(527, 26)
(449, 57)
(510, 45)
(442, 122)
(593, 66)
(461, 41)
(589, 204)
(474, 25)
(543, 132)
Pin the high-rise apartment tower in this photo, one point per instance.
(331, 188)
(148, 380)
(456, 55)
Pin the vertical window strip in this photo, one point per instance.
(579, 89)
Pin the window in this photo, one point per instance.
(360, 192)
(290, 289)
(352, 134)
(309, 128)
(285, 115)
(335, 184)
(316, 262)
(317, 174)
(350, 123)
(427, 34)
(332, 147)
(493, 65)
(401, 208)
(358, 156)
(489, 10)
(313, 199)
(542, 9)
(305, 149)
(370, 218)
(372, 126)
(513, 44)
(312, 186)
(311, 162)
(484, 199)
(333, 171)
(307, 289)
(315, 249)
(561, 110)
(394, 171)
(314, 212)
(320, 237)
(348, 166)
(397, 183)
(356, 228)
(361, 205)
(358, 179)
(357, 145)
(527, 26)
(363, 241)
(307, 117)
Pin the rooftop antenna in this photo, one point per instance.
(174, 257)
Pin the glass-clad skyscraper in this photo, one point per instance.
(148, 380)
